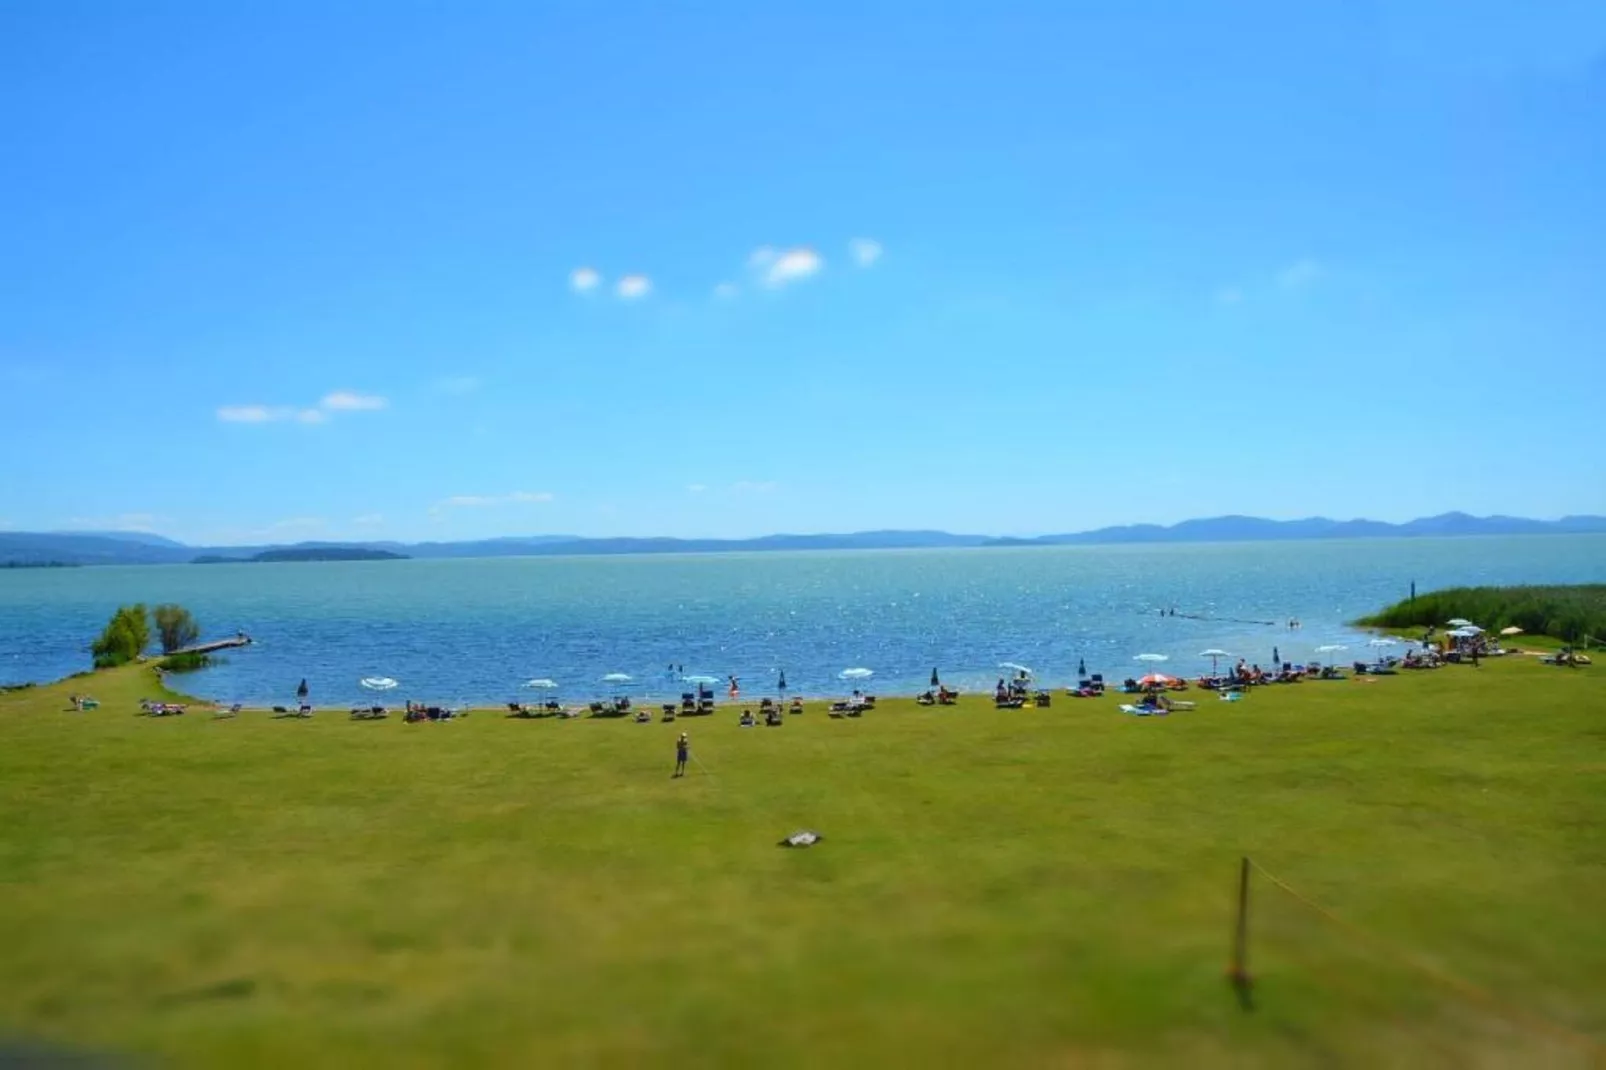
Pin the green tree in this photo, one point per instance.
(125, 637)
(175, 627)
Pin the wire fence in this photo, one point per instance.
(1305, 948)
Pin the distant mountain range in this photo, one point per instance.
(135, 548)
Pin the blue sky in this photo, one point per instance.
(411, 270)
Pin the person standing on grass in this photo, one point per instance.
(682, 754)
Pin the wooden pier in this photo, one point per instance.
(217, 644)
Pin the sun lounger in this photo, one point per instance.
(1142, 711)
(1041, 699)
(1232, 696)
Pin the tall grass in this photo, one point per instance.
(1566, 613)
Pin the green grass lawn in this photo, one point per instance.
(1033, 887)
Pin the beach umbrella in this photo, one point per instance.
(856, 674)
(1151, 657)
(781, 686)
(1513, 630)
(377, 683)
(301, 691)
(1081, 667)
(1331, 648)
(1156, 679)
(1458, 622)
(1473, 628)
(1214, 655)
(617, 678)
(934, 681)
(700, 679)
(1015, 667)
(541, 683)
(1461, 633)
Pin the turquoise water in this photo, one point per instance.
(474, 629)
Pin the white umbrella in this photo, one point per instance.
(1331, 648)
(856, 674)
(1213, 654)
(1151, 657)
(1015, 667)
(617, 678)
(1461, 633)
(1473, 628)
(1512, 630)
(377, 683)
(541, 683)
(1382, 640)
(700, 679)
(1458, 622)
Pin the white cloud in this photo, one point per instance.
(584, 280)
(368, 519)
(866, 251)
(480, 501)
(1229, 295)
(745, 486)
(339, 401)
(458, 384)
(347, 401)
(696, 488)
(792, 265)
(762, 257)
(1299, 273)
(726, 290)
(633, 286)
(247, 414)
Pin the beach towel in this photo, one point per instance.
(803, 838)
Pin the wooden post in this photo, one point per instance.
(1239, 974)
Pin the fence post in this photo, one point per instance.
(1239, 974)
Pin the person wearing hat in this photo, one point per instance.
(682, 754)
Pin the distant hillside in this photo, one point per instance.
(24, 548)
(1257, 529)
(305, 553)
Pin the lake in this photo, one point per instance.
(473, 630)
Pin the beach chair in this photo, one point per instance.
(1042, 699)
(1096, 682)
(797, 706)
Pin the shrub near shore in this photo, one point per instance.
(1565, 613)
